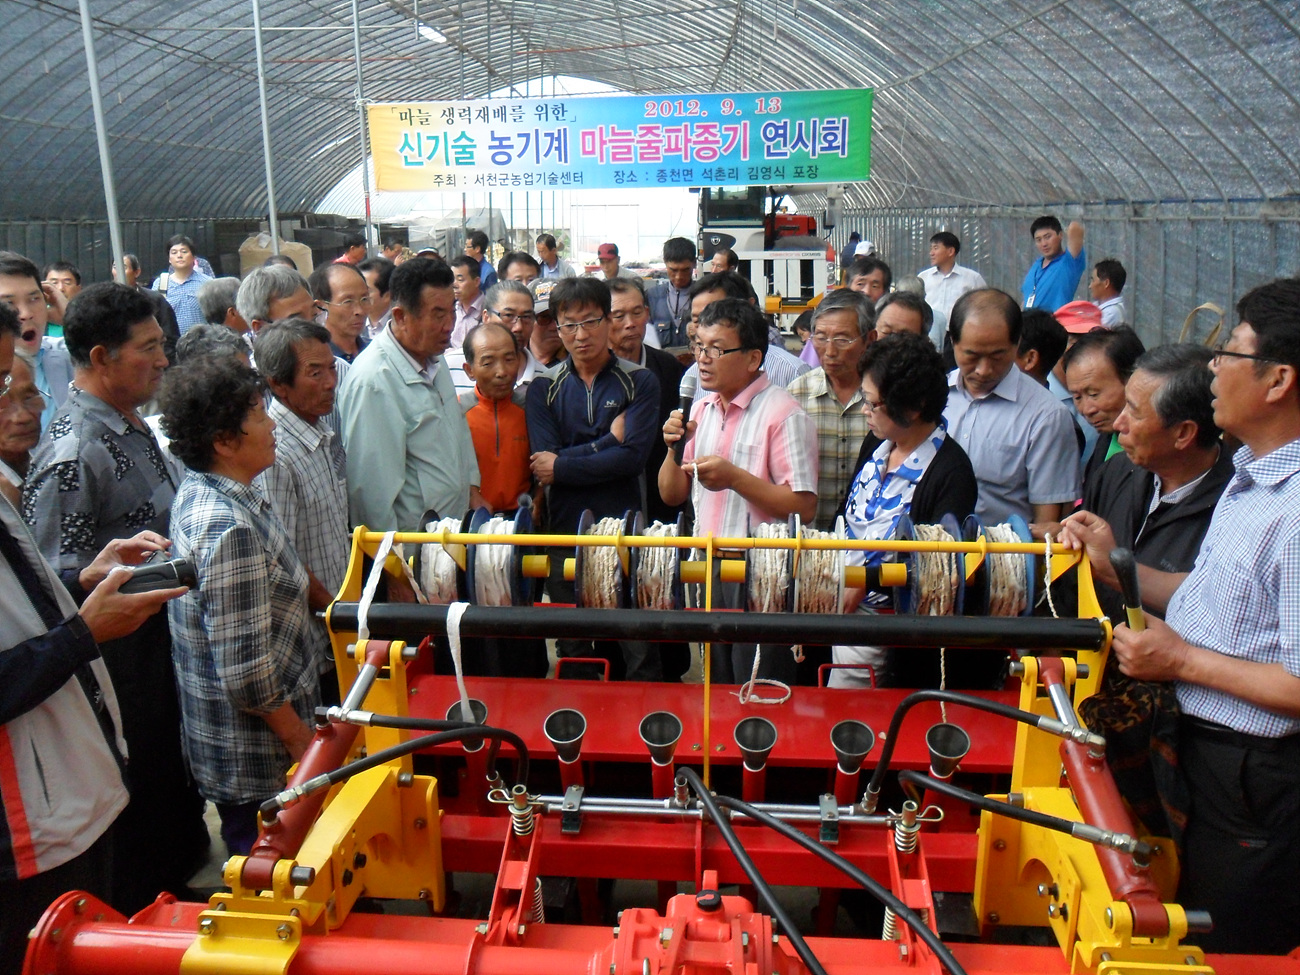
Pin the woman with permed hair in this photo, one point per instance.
(245, 652)
(908, 464)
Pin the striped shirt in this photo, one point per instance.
(240, 639)
(762, 431)
(780, 367)
(1241, 599)
(308, 490)
(841, 428)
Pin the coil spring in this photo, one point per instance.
(907, 829)
(539, 904)
(889, 930)
(521, 811)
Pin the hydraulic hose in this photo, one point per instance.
(272, 806)
(751, 871)
(877, 890)
(1141, 851)
(1041, 721)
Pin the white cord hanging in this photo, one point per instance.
(654, 577)
(372, 584)
(600, 572)
(454, 612)
(767, 594)
(1047, 573)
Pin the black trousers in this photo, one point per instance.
(1242, 846)
(22, 902)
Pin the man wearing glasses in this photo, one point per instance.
(1230, 643)
(751, 457)
(341, 292)
(832, 396)
(591, 420)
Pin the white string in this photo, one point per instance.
(1007, 574)
(943, 682)
(454, 612)
(600, 568)
(771, 571)
(746, 693)
(937, 575)
(437, 568)
(492, 565)
(767, 591)
(372, 584)
(821, 572)
(654, 582)
(1047, 573)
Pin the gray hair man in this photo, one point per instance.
(217, 303)
(842, 328)
(307, 484)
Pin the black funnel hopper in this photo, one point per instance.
(948, 745)
(851, 741)
(564, 729)
(660, 731)
(478, 711)
(755, 737)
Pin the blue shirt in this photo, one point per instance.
(487, 274)
(1241, 599)
(1020, 440)
(183, 296)
(1053, 286)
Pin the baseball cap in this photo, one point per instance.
(1078, 317)
(606, 251)
(541, 289)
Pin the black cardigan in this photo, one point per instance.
(948, 485)
(1121, 492)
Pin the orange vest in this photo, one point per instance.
(501, 444)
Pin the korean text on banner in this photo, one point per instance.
(596, 142)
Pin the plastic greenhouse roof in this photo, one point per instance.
(979, 102)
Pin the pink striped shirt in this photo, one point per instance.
(764, 431)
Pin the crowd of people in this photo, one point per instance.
(248, 425)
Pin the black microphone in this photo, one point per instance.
(687, 393)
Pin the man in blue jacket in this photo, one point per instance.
(591, 422)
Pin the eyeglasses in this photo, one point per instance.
(869, 407)
(589, 326)
(1220, 352)
(839, 342)
(351, 303)
(711, 352)
(510, 317)
(35, 403)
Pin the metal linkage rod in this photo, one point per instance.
(412, 622)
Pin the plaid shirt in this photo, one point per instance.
(308, 490)
(1241, 599)
(240, 641)
(841, 428)
(94, 477)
